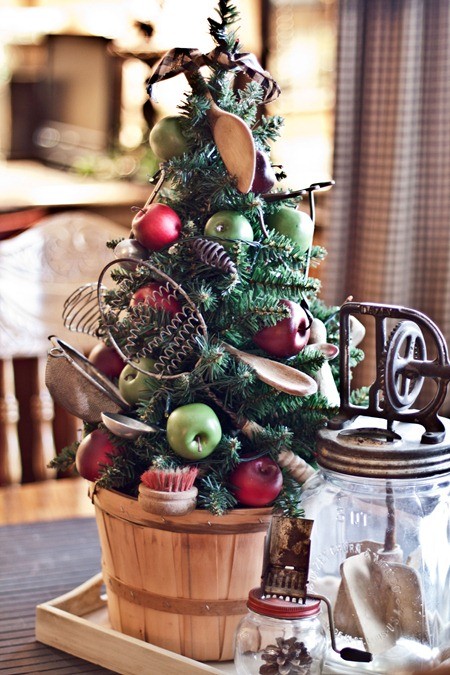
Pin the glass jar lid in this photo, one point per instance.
(280, 608)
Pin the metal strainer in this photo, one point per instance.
(78, 386)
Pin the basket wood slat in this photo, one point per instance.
(180, 582)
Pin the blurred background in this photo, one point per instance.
(72, 82)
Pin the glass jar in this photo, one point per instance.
(380, 549)
(278, 636)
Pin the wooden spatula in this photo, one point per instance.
(232, 136)
(379, 601)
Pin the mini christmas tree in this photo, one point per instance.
(211, 304)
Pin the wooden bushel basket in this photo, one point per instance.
(182, 582)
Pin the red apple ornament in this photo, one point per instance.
(156, 226)
(95, 450)
(106, 360)
(289, 336)
(156, 296)
(264, 178)
(256, 482)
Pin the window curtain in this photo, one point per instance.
(388, 234)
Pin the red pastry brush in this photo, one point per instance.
(168, 492)
(170, 480)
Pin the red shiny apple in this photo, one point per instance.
(106, 360)
(264, 178)
(289, 336)
(156, 296)
(95, 450)
(256, 482)
(156, 226)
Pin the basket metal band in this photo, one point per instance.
(183, 606)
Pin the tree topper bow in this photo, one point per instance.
(190, 60)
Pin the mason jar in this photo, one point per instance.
(280, 636)
(380, 547)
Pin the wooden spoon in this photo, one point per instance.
(277, 375)
(232, 136)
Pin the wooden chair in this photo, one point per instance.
(39, 269)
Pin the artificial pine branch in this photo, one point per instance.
(214, 496)
(268, 129)
(220, 30)
(289, 500)
(65, 460)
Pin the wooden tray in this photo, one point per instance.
(77, 623)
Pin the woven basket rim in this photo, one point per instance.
(125, 507)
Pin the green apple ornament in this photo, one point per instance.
(193, 431)
(295, 224)
(136, 386)
(166, 138)
(156, 226)
(287, 337)
(229, 225)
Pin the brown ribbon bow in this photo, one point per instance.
(185, 59)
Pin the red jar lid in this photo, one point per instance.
(279, 608)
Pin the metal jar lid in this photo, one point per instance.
(278, 608)
(367, 448)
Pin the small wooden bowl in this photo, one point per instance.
(167, 503)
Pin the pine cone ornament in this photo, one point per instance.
(287, 657)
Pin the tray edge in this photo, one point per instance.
(60, 624)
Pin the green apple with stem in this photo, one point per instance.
(193, 431)
(136, 386)
(229, 225)
(293, 223)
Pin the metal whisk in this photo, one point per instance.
(81, 312)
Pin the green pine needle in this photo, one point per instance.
(215, 497)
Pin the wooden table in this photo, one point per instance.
(48, 546)
(25, 184)
(47, 500)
